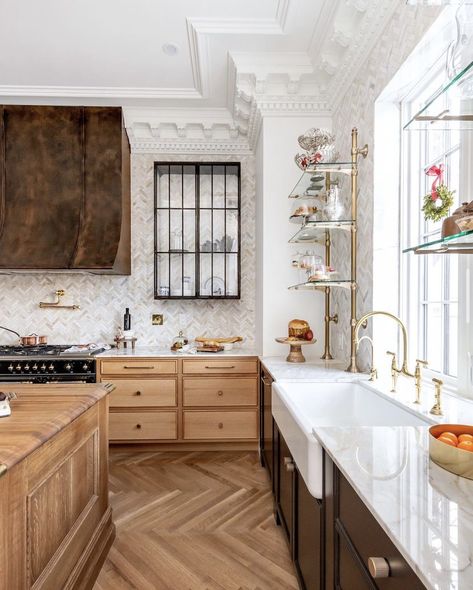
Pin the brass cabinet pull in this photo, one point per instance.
(220, 425)
(220, 393)
(138, 393)
(378, 567)
(138, 426)
(289, 463)
(138, 368)
(229, 367)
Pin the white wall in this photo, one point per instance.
(357, 109)
(277, 174)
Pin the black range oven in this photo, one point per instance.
(47, 364)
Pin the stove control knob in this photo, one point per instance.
(35, 367)
(18, 367)
(27, 367)
(68, 367)
(51, 367)
(85, 367)
(10, 368)
(43, 367)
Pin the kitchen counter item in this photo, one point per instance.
(179, 342)
(295, 353)
(30, 340)
(453, 459)
(460, 220)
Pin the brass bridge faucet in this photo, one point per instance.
(395, 370)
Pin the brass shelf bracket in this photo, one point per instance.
(57, 304)
(363, 151)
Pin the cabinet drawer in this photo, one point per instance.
(220, 425)
(350, 575)
(220, 391)
(139, 393)
(223, 366)
(138, 367)
(143, 425)
(370, 540)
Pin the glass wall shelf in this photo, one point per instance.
(310, 286)
(458, 93)
(312, 183)
(314, 231)
(461, 243)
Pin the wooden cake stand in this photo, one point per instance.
(295, 353)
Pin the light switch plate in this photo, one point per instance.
(157, 319)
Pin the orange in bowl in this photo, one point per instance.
(447, 440)
(449, 435)
(464, 437)
(466, 445)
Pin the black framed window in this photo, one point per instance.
(197, 230)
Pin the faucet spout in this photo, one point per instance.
(356, 340)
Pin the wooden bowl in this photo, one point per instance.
(451, 458)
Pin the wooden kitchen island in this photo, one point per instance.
(55, 518)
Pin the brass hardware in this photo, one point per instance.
(220, 425)
(418, 377)
(363, 151)
(138, 368)
(157, 319)
(220, 393)
(373, 371)
(290, 466)
(334, 318)
(229, 367)
(378, 567)
(138, 393)
(287, 460)
(395, 370)
(437, 407)
(57, 304)
(3, 469)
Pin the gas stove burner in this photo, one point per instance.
(41, 349)
(48, 350)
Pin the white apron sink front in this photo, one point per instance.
(299, 408)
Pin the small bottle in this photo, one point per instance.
(127, 320)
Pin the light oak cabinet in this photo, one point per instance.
(181, 400)
(55, 519)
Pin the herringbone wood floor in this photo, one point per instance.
(193, 521)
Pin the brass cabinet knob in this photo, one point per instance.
(138, 393)
(289, 463)
(138, 426)
(378, 567)
(220, 393)
(220, 425)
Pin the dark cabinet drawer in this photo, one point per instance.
(308, 537)
(370, 540)
(350, 575)
(285, 486)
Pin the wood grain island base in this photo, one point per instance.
(181, 402)
(55, 519)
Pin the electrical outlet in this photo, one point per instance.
(157, 319)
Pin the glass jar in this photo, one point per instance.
(333, 209)
(179, 342)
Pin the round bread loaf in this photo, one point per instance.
(298, 328)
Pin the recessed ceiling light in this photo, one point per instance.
(170, 49)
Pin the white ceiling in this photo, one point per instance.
(110, 51)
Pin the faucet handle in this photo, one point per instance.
(421, 362)
(391, 353)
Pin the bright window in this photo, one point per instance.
(429, 282)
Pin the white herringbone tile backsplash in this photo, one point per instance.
(103, 299)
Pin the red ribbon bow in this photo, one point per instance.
(436, 171)
(311, 159)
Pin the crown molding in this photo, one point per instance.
(98, 92)
(184, 146)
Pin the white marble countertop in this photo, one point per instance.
(310, 371)
(151, 351)
(426, 511)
